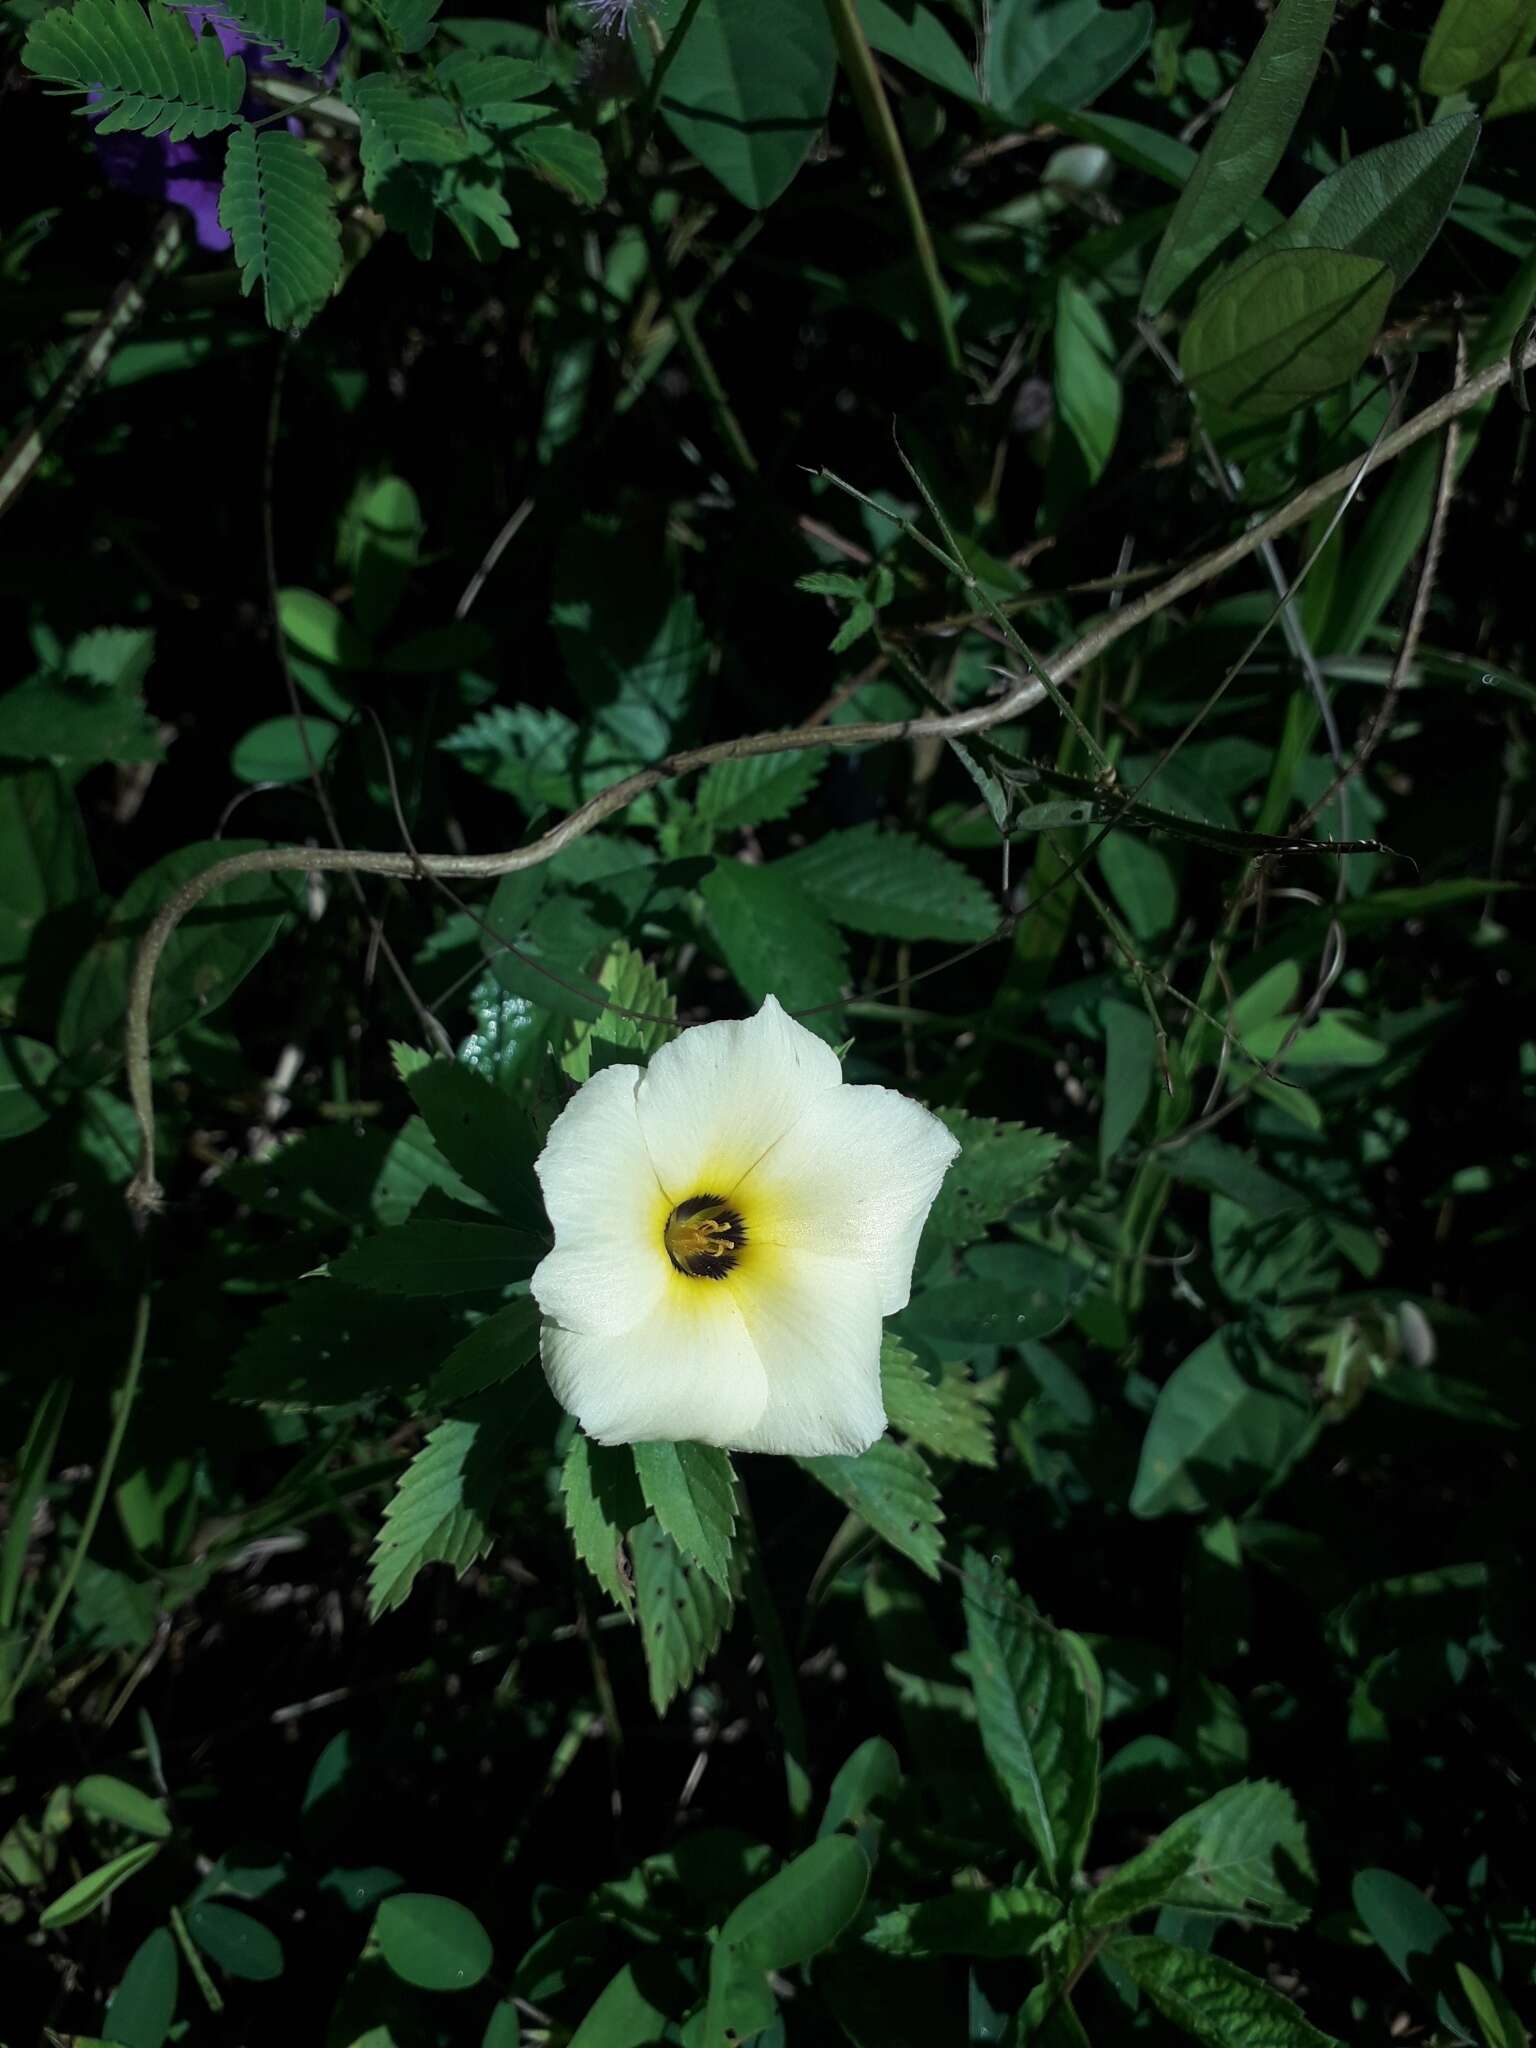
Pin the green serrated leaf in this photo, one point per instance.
(681, 1612)
(503, 1344)
(484, 1134)
(776, 941)
(602, 1500)
(1034, 1718)
(147, 72)
(1000, 1165)
(277, 207)
(440, 1511)
(1213, 2001)
(890, 1487)
(632, 985)
(330, 1345)
(757, 789)
(429, 1257)
(989, 1925)
(691, 1490)
(891, 884)
(1242, 1855)
(946, 1417)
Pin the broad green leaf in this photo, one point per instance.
(25, 1067)
(891, 884)
(276, 205)
(621, 2017)
(914, 36)
(328, 1175)
(1000, 1166)
(1516, 95)
(1496, 2018)
(1034, 1719)
(274, 751)
(1010, 1294)
(112, 1799)
(1331, 1040)
(1087, 389)
(890, 1487)
(990, 1925)
(691, 1490)
(1213, 2001)
(872, 1772)
(240, 1945)
(145, 71)
(1244, 148)
(484, 1134)
(439, 1258)
(1221, 1431)
(297, 32)
(1141, 881)
(756, 789)
(498, 1347)
(567, 157)
(312, 625)
(432, 1942)
(1284, 329)
(1414, 1935)
(1388, 203)
(682, 1613)
(328, 1346)
(748, 88)
(777, 942)
(1242, 1855)
(602, 1500)
(207, 957)
(800, 1911)
(1470, 40)
(1129, 1049)
(45, 865)
(439, 1513)
(141, 2010)
(385, 527)
(944, 1416)
(88, 1894)
(1066, 52)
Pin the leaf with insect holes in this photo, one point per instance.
(890, 1487)
(681, 1611)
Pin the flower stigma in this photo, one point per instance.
(704, 1237)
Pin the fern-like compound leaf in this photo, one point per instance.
(296, 31)
(276, 204)
(146, 71)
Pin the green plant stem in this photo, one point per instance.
(127, 1396)
(661, 65)
(874, 107)
(777, 1664)
(195, 1963)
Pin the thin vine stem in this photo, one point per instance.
(144, 1193)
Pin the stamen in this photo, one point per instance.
(704, 1237)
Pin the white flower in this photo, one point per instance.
(730, 1228)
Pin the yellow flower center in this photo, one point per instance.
(705, 1237)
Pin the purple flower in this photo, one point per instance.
(191, 174)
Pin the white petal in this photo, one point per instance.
(688, 1373)
(815, 1324)
(715, 1099)
(609, 1265)
(854, 1179)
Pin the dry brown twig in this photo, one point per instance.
(144, 1193)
